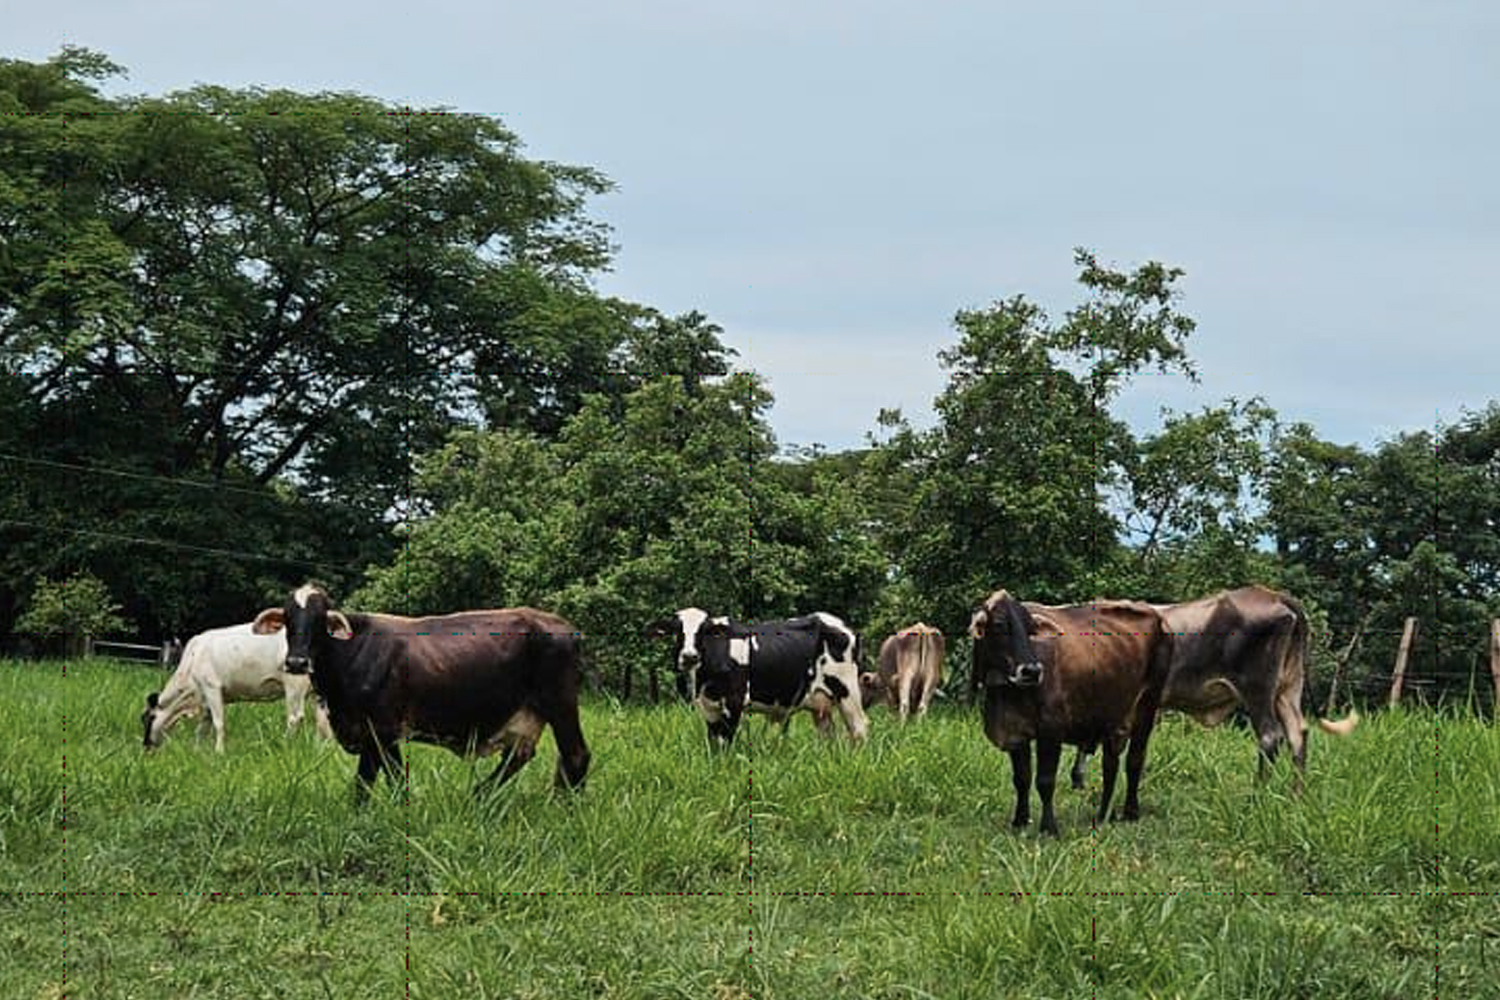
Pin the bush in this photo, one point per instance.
(65, 612)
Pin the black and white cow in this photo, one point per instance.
(774, 668)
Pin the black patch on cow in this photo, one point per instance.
(836, 687)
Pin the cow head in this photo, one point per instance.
(874, 688)
(148, 717)
(310, 621)
(1003, 655)
(687, 652)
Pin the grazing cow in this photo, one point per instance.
(1085, 675)
(774, 668)
(1245, 647)
(224, 665)
(911, 668)
(477, 682)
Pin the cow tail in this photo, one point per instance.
(1298, 654)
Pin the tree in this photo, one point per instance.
(1195, 493)
(623, 519)
(1009, 489)
(1406, 530)
(282, 295)
(67, 612)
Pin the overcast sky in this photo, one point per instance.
(830, 182)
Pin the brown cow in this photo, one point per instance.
(476, 682)
(1085, 675)
(911, 668)
(1242, 647)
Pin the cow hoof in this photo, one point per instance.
(1050, 831)
(1020, 822)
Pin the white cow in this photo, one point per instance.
(224, 665)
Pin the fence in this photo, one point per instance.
(1398, 676)
(164, 655)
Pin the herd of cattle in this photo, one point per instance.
(484, 682)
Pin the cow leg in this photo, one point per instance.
(1268, 738)
(213, 704)
(1110, 768)
(1020, 779)
(369, 767)
(1292, 725)
(572, 751)
(924, 700)
(376, 756)
(1080, 772)
(320, 718)
(295, 697)
(903, 695)
(1048, 754)
(1135, 760)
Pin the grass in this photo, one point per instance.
(787, 867)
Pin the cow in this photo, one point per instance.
(1242, 648)
(476, 682)
(224, 665)
(1085, 675)
(774, 668)
(910, 670)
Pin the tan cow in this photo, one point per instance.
(911, 668)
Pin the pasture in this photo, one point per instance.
(783, 868)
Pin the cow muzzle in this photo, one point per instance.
(298, 664)
(1026, 675)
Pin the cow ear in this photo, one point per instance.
(1027, 622)
(152, 699)
(979, 623)
(268, 621)
(661, 627)
(869, 681)
(338, 625)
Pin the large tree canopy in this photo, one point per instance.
(285, 294)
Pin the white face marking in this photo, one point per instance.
(690, 620)
(304, 594)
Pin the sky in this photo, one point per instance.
(831, 182)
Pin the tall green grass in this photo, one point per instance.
(787, 866)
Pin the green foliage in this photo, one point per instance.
(1009, 490)
(71, 609)
(281, 297)
(663, 498)
(1408, 529)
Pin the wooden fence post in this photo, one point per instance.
(1401, 655)
(1495, 661)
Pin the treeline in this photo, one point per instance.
(254, 337)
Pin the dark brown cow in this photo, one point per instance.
(1245, 647)
(911, 668)
(476, 683)
(1086, 675)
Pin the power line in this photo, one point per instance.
(183, 546)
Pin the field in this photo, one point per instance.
(786, 868)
